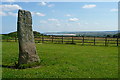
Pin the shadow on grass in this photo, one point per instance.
(22, 66)
(14, 67)
(7, 66)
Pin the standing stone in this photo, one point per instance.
(27, 49)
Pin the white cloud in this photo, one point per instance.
(52, 19)
(46, 4)
(43, 4)
(10, 7)
(6, 9)
(73, 19)
(9, 0)
(7, 13)
(43, 21)
(89, 6)
(38, 14)
(114, 10)
(68, 15)
(2, 13)
(51, 5)
(12, 14)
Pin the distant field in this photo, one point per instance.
(64, 61)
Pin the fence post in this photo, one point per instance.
(7, 37)
(117, 41)
(15, 39)
(83, 41)
(94, 40)
(38, 39)
(52, 38)
(42, 38)
(62, 39)
(72, 40)
(105, 41)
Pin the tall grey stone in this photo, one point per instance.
(27, 48)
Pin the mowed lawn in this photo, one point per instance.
(64, 61)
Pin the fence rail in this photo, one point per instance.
(106, 41)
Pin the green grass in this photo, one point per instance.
(0, 58)
(64, 61)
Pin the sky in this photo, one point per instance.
(62, 16)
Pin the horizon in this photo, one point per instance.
(62, 16)
(66, 31)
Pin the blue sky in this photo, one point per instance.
(63, 16)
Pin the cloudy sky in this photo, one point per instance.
(62, 16)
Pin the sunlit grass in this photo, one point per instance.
(64, 61)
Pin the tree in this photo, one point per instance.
(116, 35)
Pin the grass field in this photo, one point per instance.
(64, 61)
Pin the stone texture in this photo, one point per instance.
(27, 49)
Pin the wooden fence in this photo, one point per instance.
(106, 41)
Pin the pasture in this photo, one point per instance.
(63, 61)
